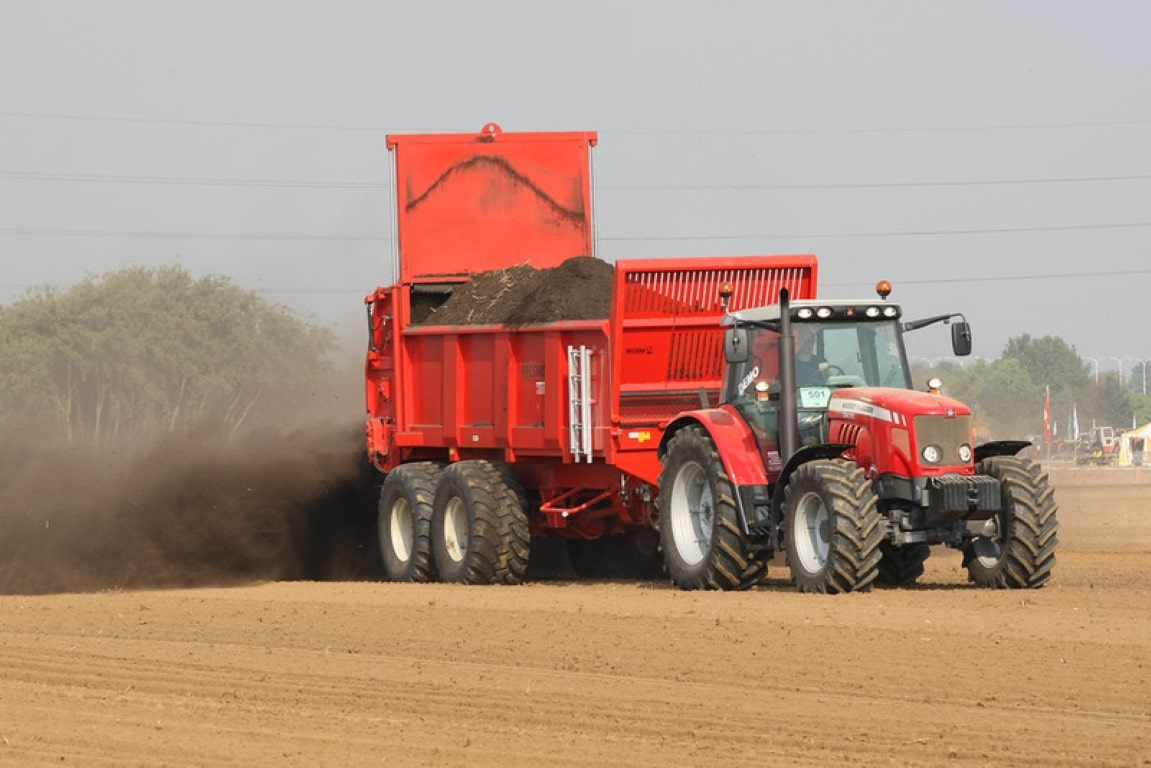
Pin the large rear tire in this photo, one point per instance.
(479, 527)
(903, 565)
(1016, 548)
(405, 520)
(703, 545)
(832, 527)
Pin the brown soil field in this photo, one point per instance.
(602, 673)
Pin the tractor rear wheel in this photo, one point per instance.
(405, 521)
(832, 528)
(1015, 549)
(479, 527)
(703, 544)
(903, 565)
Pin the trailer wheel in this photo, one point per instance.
(405, 516)
(479, 526)
(832, 528)
(1015, 549)
(703, 545)
(902, 566)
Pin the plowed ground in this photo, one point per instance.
(602, 673)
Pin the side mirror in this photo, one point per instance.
(961, 338)
(735, 348)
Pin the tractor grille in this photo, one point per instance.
(948, 432)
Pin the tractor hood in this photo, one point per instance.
(902, 431)
(888, 404)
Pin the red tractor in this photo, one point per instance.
(821, 448)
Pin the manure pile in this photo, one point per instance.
(578, 289)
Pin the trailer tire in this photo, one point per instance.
(479, 527)
(405, 519)
(832, 528)
(703, 544)
(1018, 552)
(902, 566)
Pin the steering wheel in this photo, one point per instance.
(835, 369)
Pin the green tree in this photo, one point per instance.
(140, 350)
(1049, 360)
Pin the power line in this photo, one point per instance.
(866, 185)
(925, 281)
(368, 185)
(53, 232)
(621, 132)
(198, 123)
(906, 233)
(95, 233)
(1015, 278)
(189, 180)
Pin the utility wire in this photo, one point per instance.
(621, 132)
(368, 185)
(96, 233)
(188, 180)
(93, 233)
(11, 286)
(906, 233)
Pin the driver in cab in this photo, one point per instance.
(811, 370)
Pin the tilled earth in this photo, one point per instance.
(602, 673)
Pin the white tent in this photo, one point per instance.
(1126, 455)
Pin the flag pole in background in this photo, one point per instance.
(1047, 415)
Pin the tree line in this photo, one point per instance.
(1008, 393)
(139, 350)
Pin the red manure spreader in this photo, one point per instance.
(690, 417)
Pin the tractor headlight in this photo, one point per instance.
(965, 453)
(931, 454)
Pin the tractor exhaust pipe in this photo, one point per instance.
(788, 408)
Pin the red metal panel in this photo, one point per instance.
(475, 202)
(665, 321)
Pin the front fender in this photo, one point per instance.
(733, 438)
(999, 448)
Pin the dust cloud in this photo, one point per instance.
(190, 509)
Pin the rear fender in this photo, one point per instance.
(733, 439)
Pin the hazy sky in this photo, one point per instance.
(986, 157)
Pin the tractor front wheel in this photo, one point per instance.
(1015, 549)
(703, 544)
(832, 527)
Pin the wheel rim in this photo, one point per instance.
(456, 529)
(401, 529)
(811, 535)
(692, 513)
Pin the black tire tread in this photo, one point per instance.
(903, 565)
(728, 564)
(857, 531)
(1031, 524)
(499, 543)
(417, 481)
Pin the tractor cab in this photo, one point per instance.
(837, 345)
